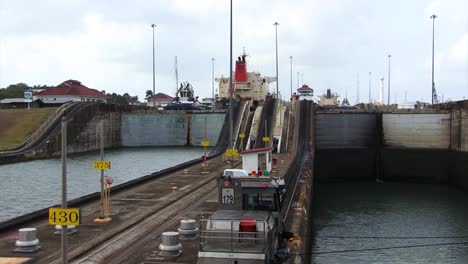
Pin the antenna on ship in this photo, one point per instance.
(244, 54)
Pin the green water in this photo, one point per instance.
(389, 223)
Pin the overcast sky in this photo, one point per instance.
(107, 45)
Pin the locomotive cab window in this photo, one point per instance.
(263, 201)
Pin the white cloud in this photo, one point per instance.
(458, 53)
(109, 46)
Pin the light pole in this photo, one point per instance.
(212, 79)
(154, 77)
(297, 80)
(370, 100)
(231, 110)
(357, 89)
(389, 56)
(276, 24)
(290, 66)
(433, 17)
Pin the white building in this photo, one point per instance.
(70, 91)
(305, 93)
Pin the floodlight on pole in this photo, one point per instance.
(154, 75)
(389, 56)
(231, 109)
(370, 80)
(433, 17)
(212, 79)
(290, 64)
(276, 24)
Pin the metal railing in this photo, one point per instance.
(216, 236)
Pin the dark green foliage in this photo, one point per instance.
(124, 99)
(149, 93)
(17, 90)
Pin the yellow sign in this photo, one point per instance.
(205, 143)
(232, 152)
(101, 164)
(266, 139)
(281, 108)
(62, 216)
(241, 135)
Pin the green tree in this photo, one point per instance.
(149, 93)
(124, 99)
(13, 91)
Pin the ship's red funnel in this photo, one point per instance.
(241, 70)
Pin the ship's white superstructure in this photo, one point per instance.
(247, 85)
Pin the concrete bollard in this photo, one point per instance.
(170, 246)
(188, 229)
(27, 240)
(71, 229)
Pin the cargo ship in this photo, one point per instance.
(246, 85)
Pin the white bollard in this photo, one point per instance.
(188, 229)
(27, 240)
(71, 229)
(170, 246)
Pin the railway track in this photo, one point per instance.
(139, 215)
(118, 247)
(140, 212)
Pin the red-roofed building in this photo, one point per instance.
(305, 92)
(160, 99)
(70, 91)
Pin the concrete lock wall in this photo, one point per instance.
(345, 130)
(345, 145)
(417, 131)
(154, 130)
(416, 147)
(88, 139)
(214, 122)
(459, 144)
(170, 129)
(390, 146)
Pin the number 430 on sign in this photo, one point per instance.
(64, 216)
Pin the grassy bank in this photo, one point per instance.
(17, 124)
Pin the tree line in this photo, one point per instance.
(17, 91)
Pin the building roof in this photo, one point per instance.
(72, 87)
(256, 150)
(305, 88)
(160, 96)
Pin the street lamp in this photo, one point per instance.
(290, 64)
(370, 100)
(433, 17)
(297, 80)
(212, 79)
(231, 110)
(154, 77)
(389, 56)
(276, 24)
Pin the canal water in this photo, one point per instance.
(389, 223)
(33, 185)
